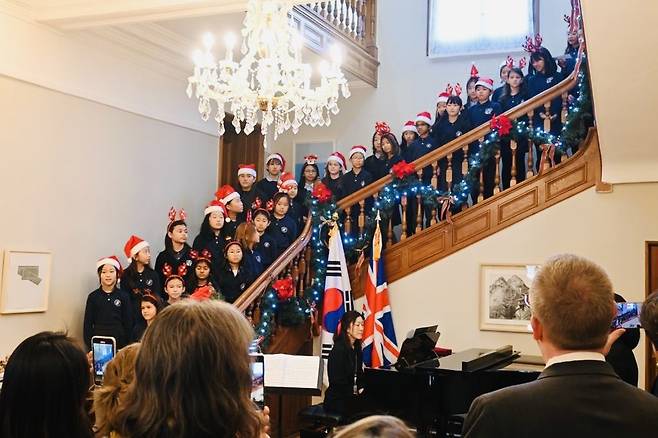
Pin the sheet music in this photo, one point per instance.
(291, 371)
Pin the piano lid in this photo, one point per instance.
(485, 356)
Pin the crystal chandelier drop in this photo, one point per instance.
(270, 78)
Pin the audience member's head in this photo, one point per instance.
(572, 304)
(46, 382)
(119, 373)
(649, 318)
(376, 426)
(192, 376)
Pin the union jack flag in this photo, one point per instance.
(379, 343)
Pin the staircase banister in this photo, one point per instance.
(470, 137)
(255, 290)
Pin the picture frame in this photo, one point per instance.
(25, 281)
(504, 297)
(321, 148)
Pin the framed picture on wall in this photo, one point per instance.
(320, 148)
(25, 281)
(504, 297)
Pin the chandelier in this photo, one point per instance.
(270, 79)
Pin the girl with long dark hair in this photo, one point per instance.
(210, 236)
(515, 93)
(177, 251)
(374, 163)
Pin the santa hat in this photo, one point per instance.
(247, 169)
(286, 181)
(311, 159)
(277, 156)
(358, 149)
(338, 158)
(486, 83)
(111, 260)
(409, 126)
(133, 246)
(474, 71)
(443, 96)
(424, 117)
(215, 205)
(226, 194)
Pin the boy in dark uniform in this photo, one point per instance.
(424, 144)
(234, 207)
(266, 188)
(355, 180)
(266, 246)
(478, 114)
(297, 211)
(247, 191)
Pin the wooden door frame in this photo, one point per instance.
(649, 360)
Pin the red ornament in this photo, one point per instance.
(284, 288)
(322, 193)
(501, 124)
(202, 293)
(403, 169)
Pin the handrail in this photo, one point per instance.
(466, 139)
(270, 274)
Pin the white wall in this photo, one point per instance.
(409, 81)
(610, 229)
(77, 178)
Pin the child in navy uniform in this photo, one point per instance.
(453, 125)
(409, 135)
(515, 93)
(441, 102)
(234, 278)
(503, 72)
(247, 191)
(177, 251)
(283, 229)
(333, 177)
(266, 188)
(471, 95)
(139, 278)
(174, 288)
(297, 210)
(202, 281)
(309, 178)
(355, 180)
(249, 238)
(149, 307)
(108, 311)
(391, 150)
(479, 114)
(234, 208)
(374, 164)
(266, 246)
(210, 236)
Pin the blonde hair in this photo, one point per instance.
(192, 376)
(375, 426)
(245, 234)
(119, 374)
(572, 297)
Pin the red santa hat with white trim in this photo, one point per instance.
(277, 156)
(215, 206)
(226, 194)
(409, 126)
(424, 117)
(486, 83)
(358, 149)
(339, 158)
(133, 246)
(247, 169)
(443, 97)
(111, 260)
(286, 181)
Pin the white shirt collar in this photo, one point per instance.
(575, 356)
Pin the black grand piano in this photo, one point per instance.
(428, 394)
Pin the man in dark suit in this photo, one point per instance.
(649, 321)
(578, 394)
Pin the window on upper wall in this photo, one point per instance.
(477, 27)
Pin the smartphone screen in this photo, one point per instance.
(103, 351)
(628, 315)
(258, 380)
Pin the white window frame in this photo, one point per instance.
(431, 6)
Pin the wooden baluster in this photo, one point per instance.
(565, 107)
(435, 174)
(337, 10)
(370, 41)
(324, 9)
(403, 203)
(547, 114)
(362, 21)
(302, 273)
(531, 147)
(547, 163)
(307, 261)
(497, 177)
(355, 18)
(481, 194)
(295, 273)
(362, 216)
(513, 147)
(419, 214)
(389, 233)
(449, 173)
(465, 161)
(348, 220)
(434, 218)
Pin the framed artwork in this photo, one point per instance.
(25, 281)
(504, 297)
(320, 148)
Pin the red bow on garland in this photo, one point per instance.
(402, 169)
(501, 124)
(321, 193)
(284, 288)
